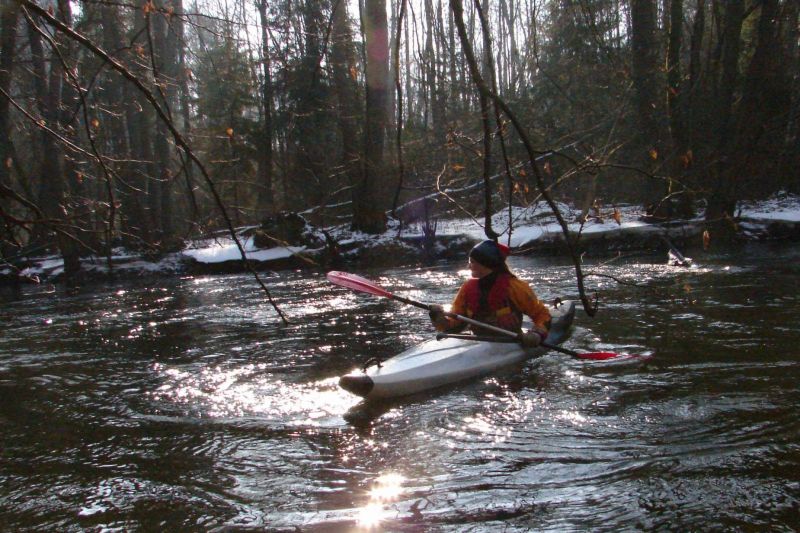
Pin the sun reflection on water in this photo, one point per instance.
(386, 489)
(251, 390)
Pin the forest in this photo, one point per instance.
(144, 125)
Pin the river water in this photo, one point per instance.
(185, 405)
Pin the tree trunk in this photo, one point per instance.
(693, 94)
(677, 98)
(674, 77)
(166, 71)
(309, 170)
(343, 64)
(648, 104)
(188, 166)
(52, 184)
(8, 39)
(119, 97)
(139, 219)
(790, 156)
(722, 202)
(266, 200)
(762, 117)
(369, 197)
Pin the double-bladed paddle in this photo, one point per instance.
(358, 283)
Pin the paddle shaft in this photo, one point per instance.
(357, 283)
(480, 324)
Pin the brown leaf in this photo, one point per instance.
(95, 123)
(653, 154)
(617, 216)
(687, 158)
(229, 132)
(706, 240)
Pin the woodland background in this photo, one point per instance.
(148, 124)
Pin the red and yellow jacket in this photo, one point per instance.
(508, 299)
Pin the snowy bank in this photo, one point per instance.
(533, 229)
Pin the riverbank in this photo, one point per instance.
(535, 230)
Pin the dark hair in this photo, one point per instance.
(490, 254)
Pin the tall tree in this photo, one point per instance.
(344, 73)
(309, 135)
(369, 198)
(679, 158)
(9, 15)
(165, 74)
(722, 202)
(762, 111)
(52, 194)
(266, 201)
(647, 87)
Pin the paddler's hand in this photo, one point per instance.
(438, 318)
(533, 337)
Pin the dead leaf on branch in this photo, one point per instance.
(687, 159)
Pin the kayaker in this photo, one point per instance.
(495, 296)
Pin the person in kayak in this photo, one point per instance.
(495, 296)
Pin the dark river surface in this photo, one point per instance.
(185, 405)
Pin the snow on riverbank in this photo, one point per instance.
(532, 227)
(222, 250)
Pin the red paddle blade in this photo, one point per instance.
(357, 283)
(599, 356)
(604, 356)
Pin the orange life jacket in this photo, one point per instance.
(495, 307)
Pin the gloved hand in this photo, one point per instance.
(533, 337)
(438, 318)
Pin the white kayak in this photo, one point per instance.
(435, 363)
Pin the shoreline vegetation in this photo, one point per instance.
(610, 230)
